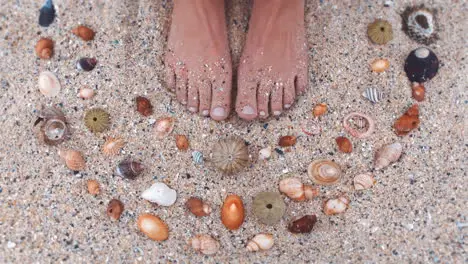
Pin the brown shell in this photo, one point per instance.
(115, 209)
(85, 33)
(197, 207)
(112, 146)
(320, 110)
(44, 48)
(143, 106)
(93, 187)
(418, 92)
(153, 227)
(303, 224)
(73, 159)
(287, 141)
(324, 172)
(408, 121)
(232, 212)
(344, 144)
(182, 142)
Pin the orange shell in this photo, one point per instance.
(419, 92)
(408, 121)
(232, 212)
(153, 227)
(344, 144)
(93, 187)
(112, 146)
(85, 33)
(44, 48)
(197, 207)
(380, 65)
(115, 209)
(320, 109)
(182, 142)
(73, 159)
(287, 141)
(144, 106)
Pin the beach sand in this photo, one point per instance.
(413, 214)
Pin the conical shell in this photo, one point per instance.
(73, 159)
(161, 194)
(129, 169)
(54, 129)
(44, 48)
(163, 127)
(336, 206)
(373, 94)
(303, 224)
(153, 227)
(85, 33)
(204, 244)
(324, 172)
(230, 155)
(49, 85)
(364, 181)
(296, 190)
(387, 154)
(260, 242)
(232, 212)
(112, 146)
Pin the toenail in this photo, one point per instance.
(277, 113)
(218, 112)
(192, 109)
(262, 113)
(287, 106)
(205, 112)
(248, 110)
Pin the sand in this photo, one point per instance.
(414, 214)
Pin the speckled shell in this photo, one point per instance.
(364, 181)
(54, 129)
(129, 169)
(296, 190)
(336, 206)
(44, 48)
(420, 24)
(153, 227)
(204, 244)
(85, 33)
(112, 146)
(230, 155)
(49, 85)
(163, 127)
(73, 159)
(373, 94)
(387, 154)
(260, 242)
(421, 65)
(324, 172)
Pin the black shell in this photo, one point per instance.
(86, 64)
(129, 169)
(421, 65)
(303, 224)
(47, 14)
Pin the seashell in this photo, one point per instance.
(86, 64)
(164, 127)
(85, 33)
(420, 24)
(161, 194)
(287, 141)
(311, 127)
(73, 159)
(54, 129)
(153, 227)
(230, 155)
(264, 153)
(232, 212)
(387, 154)
(129, 169)
(197, 157)
(344, 144)
(204, 244)
(303, 224)
(418, 92)
(373, 95)
(115, 209)
(144, 106)
(47, 14)
(359, 125)
(86, 93)
(113, 145)
(182, 142)
(320, 110)
(336, 206)
(260, 242)
(93, 187)
(44, 48)
(296, 190)
(408, 121)
(421, 65)
(380, 65)
(97, 120)
(380, 32)
(324, 172)
(364, 181)
(49, 85)
(198, 207)
(268, 207)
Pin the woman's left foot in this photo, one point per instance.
(273, 66)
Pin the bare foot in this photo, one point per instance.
(273, 66)
(198, 61)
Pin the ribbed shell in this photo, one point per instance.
(387, 154)
(230, 155)
(420, 24)
(112, 146)
(324, 172)
(380, 31)
(363, 181)
(204, 244)
(197, 157)
(73, 159)
(97, 120)
(373, 94)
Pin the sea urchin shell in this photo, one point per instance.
(97, 120)
(268, 207)
(230, 155)
(380, 31)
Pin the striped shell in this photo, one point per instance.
(364, 181)
(373, 95)
(73, 159)
(230, 155)
(113, 145)
(197, 157)
(324, 172)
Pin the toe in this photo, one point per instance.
(301, 81)
(181, 86)
(221, 96)
(246, 100)
(277, 98)
(192, 94)
(263, 98)
(289, 94)
(204, 97)
(170, 78)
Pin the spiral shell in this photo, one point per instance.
(373, 94)
(129, 169)
(44, 48)
(359, 125)
(260, 242)
(161, 194)
(54, 129)
(336, 206)
(113, 145)
(163, 127)
(230, 155)
(49, 85)
(73, 159)
(296, 190)
(198, 207)
(387, 154)
(324, 172)
(364, 181)
(197, 157)
(204, 244)
(85, 33)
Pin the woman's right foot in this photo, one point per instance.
(198, 61)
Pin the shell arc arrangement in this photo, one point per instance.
(231, 155)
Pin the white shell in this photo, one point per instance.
(86, 93)
(264, 154)
(260, 242)
(205, 244)
(364, 181)
(336, 206)
(296, 190)
(387, 154)
(373, 95)
(49, 85)
(161, 194)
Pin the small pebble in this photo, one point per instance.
(11, 244)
